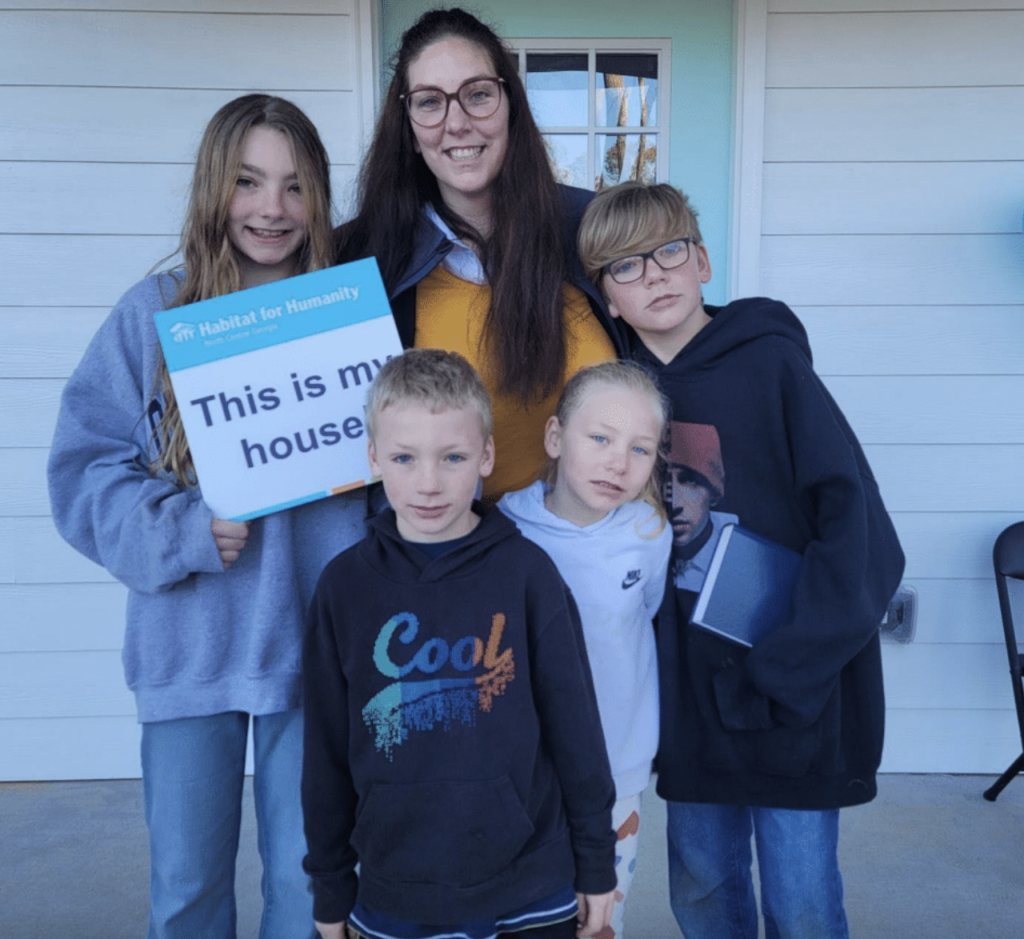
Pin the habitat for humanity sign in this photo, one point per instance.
(271, 384)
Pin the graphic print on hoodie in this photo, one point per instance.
(412, 704)
(694, 485)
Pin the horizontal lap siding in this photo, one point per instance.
(845, 195)
(915, 340)
(147, 49)
(896, 48)
(883, 6)
(72, 747)
(922, 740)
(893, 190)
(101, 110)
(837, 125)
(937, 270)
(150, 125)
(51, 628)
(29, 353)
(248, 7)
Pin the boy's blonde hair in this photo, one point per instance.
(632, 218)
(209, 259)
(432, 377)
(619, 375)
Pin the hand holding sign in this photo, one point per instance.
(230, 538)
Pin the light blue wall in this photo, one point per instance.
(701, 32)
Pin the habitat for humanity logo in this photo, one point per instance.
(182, 332)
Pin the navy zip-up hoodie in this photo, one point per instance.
(453, 745)
(797, 721)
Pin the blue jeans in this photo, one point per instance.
(192, 773)
(710, 883)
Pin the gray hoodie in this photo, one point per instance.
(199, 640)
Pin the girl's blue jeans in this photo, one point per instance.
(710, 882)
(192, 773)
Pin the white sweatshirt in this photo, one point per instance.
(616, 570)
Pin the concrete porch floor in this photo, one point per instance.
(928, 858)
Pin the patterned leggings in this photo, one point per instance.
(626, 822)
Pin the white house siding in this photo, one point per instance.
(101, 108)
(890, 190)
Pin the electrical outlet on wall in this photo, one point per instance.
(900, 620)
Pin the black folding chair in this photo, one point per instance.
(1008, 558)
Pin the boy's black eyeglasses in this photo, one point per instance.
(667, 256)
(479, 98)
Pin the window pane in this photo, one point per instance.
(626, 156)
(568, 153)
(627, 90)
(556, 86)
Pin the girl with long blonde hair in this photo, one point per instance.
(215, 607)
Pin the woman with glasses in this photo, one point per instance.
(475, 240)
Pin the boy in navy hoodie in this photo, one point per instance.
(453, 748)
(774, 739)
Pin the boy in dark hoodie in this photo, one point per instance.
(453, 748)
(777, 738)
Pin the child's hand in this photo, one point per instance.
(595, 912)
(332, 930)
(230, 538)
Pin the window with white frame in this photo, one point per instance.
(602, 106)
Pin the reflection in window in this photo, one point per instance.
(627, 90)
(599, 108)
(568, 153)
(627, 157)
(627, 96)
(556, 86)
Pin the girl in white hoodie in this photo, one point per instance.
(600, 517)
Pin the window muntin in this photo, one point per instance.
(601, 106)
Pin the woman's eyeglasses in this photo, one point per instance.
(667, 256)
(479, 98)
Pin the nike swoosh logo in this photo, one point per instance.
(631, 579)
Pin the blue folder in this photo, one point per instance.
(749, 586)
